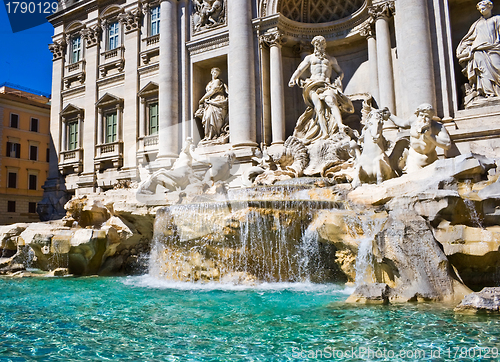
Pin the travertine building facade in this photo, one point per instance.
(128, 76)
(25, 143)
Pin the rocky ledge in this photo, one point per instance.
(485, 301)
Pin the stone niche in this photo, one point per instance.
(201, 77)
(463, 14)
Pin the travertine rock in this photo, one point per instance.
(485, 301)
(373, 293)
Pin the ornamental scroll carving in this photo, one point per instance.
(131, 20)
(273, 38)
(208, 14)
(58, 49)
(91, 35)
(382, 10)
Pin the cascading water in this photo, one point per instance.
(270, 240)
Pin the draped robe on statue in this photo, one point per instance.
(480, 48)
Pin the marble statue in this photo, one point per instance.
(325, 100)
(220, 169)
(213, 110)
(426, 133)
(479, 53)
(372, 164)
(178, 177)
(208, 13)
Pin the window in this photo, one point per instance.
(153, 118)
(34, 125)
(14, 120)
(155, 21)
(111, 128)
(12, 180)
(76, 49)
(32, 207)
(11, 206)
(33, 153)
(32, 182)
(47, 155)
(72, 135)
(13, 149)
(113, 36)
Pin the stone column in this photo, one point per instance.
(413, 37)
(168, 96)
(274, 40)
(369, 33)
(100, 127)
(91, 37)
(127, 123)
(266, 96)
(56, 124)
(241, 74)
(119, 121)
(142, 119)
(381, 13)
(64, 137)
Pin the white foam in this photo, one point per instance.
(147, 281)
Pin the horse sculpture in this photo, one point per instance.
(372, 164)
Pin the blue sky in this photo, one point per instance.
(25, 58)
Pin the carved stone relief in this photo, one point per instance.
(208, 14)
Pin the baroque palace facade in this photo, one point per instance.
(128, 77)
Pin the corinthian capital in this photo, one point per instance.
(91, 35)
(385, 9)
(58, 49)
(131, 20)
(272, 38)
(367, 30)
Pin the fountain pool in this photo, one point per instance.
(147, 319)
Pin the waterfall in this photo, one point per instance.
(364, 261)
(256, 237)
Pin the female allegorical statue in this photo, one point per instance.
(213, 108)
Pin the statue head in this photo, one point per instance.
(319, 43)
(484, 5)
(215, 72)
(425, 109)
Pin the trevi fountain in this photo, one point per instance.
(369, 229)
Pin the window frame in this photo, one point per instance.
(76, 52)
(154, 21)
(72, 128)
(9, 180)
(113, 136)
(17, 120)
(149, 118)
(35, 148)
(30, 204)
(11, 206)
(31, 177)
(113, 26)
(37, 128)
(13, 149)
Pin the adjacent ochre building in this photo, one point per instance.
(24, 153)
(128, 76)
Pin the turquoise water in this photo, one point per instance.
(143, 319)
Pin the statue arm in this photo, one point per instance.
(300, 69)
(400, 122)
(464, 47)
(213, 89)
(337, 69)
(442, 138)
